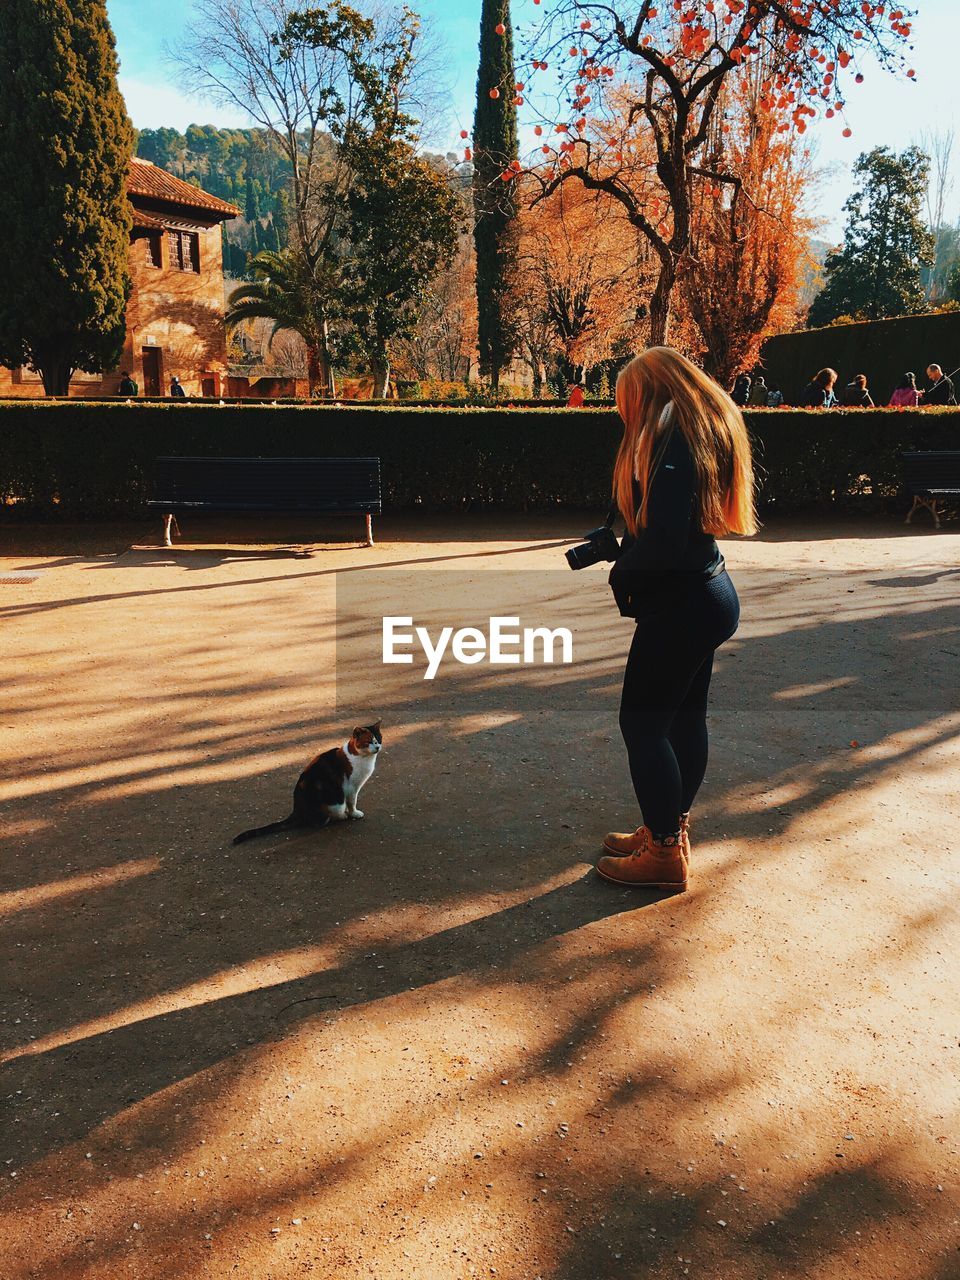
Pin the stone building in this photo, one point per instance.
(175, 313)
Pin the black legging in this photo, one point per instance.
(663, 709)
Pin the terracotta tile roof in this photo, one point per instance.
(147, 221)
(150, 182)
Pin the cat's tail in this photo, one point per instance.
(288, 824)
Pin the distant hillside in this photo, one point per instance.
(248, 168)
(244, 166)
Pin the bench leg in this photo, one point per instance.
(931, 505)
(912, 511)
(169, 520)
(369, 529)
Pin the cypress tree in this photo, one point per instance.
(495, 201)
(281, 219)
(251, 202)
(65, 143)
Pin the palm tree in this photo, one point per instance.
(285, 291)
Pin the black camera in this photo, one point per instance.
(601, 544)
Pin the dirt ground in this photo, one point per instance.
(433, 1044)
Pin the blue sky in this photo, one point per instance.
(882, 111)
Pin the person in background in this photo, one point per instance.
(774, 396)
(855, 394)
(819, 393)
(741, 390)
(941, 389)
(576, 396)
(176, 388)
(127, 386)
(906, 395)
(758, 392)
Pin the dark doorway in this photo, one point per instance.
(152, 372)
(208, 386)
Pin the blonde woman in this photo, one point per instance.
(683, 476)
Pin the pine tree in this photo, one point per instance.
(65, 143)
(495, 201)
(878, 270)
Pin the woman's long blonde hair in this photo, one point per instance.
(712, 426)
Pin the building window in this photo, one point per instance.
(153, 251)
(184, 249)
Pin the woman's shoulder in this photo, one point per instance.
(673, 448)
(675, 443)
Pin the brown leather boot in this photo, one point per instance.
(626, 842)
(650, 866)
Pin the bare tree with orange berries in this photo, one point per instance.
(673, 64)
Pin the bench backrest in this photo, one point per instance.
(931, 469)
(268, 484)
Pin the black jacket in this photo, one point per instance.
(671, 552)
(815, 397)
(941, 392)
(741, 390)
(854, 397)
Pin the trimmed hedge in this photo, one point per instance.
(504, 402)
(882, 349)
(79, 459)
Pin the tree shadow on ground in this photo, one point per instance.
(197, 558)
(475, 817)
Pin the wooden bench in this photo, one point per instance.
(930, 476)
(265, 484)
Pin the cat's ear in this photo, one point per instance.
(358, 731)
(376, 727)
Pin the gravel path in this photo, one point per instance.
(433, 1044)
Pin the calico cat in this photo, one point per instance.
(327, 789)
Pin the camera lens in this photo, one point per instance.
(583, 556)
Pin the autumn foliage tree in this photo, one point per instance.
(748, 246)
(673, 62)
(580, 280)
